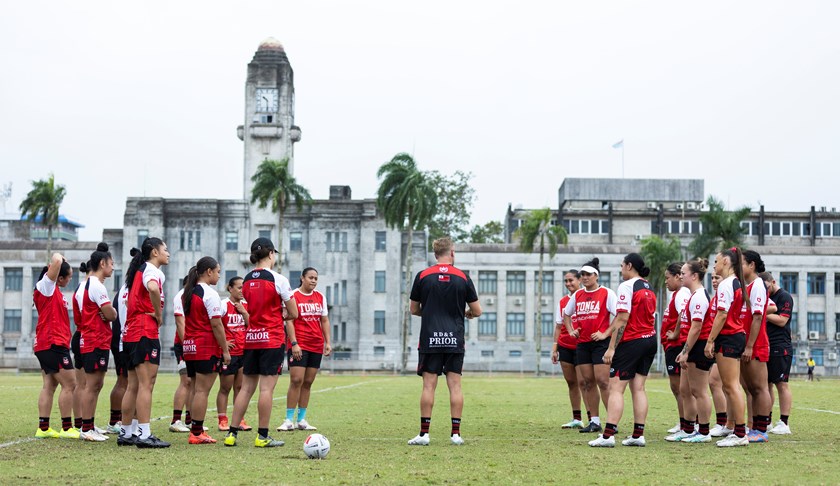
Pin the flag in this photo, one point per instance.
(619, 144)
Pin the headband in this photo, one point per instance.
(589, 269)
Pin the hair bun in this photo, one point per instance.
(595, 262)
(644, 272)
(83, 267)
(134, 252)
(102, 246)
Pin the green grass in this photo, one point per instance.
(510, 425)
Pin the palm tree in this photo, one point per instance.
(274, 183)
(408, 201)
(658, 254)
(44, 201)
(721, 229)
(537, 231)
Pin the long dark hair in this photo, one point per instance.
(203, 264)
(62, 272)
(734, 254)
(141, 256)
(751, 256)
(97, 257)
(674, 268)
(638, 263)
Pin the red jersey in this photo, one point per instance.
(565, 339)
(671, 316)
(199, 342)
(709, 321)
(311, 307)
(591, 310)
(636, 298)
(96, 333)
(178, 311)
(53, 327)
(758, 301)
(696, 309)
(234, 326)
(266, 291)
(731, 300)
(139, 323)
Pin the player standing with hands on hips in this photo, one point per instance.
(439, 296)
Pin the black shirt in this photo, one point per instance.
(443, 292)
(780, 336)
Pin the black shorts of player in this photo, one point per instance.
(178, 349)
(144, 350)
(268, 362)
(731, 345)
(697, 355)
(671, 360)
(120, 363)
(566, 355)
(232, 368)
(307, 360)
(633, 357)
(778, 367)
(440, 363)
(54, 359)
(96, 360)
(76, 347)
(591, 352)
(203, 366)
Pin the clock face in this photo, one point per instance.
(267, 100)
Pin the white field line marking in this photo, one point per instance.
(818, 410)
(16, 442)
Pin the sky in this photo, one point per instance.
(143, 98)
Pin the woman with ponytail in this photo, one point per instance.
(631, 351)
(183, 396)
(670, 334)
(757, 351)
(52, 348)
(204, 339)
(95, 344)
(75, 346)
(235, 320)
(727, 341)
(564, 349)
(141, 342)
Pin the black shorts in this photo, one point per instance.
(142, 351)
(268, 362)
(591, 352)
(76, 347)
(440, 363)
(178, 349)
(308, 360)
(96, 360)
(566, 355)
(731, 345)
(54, 359)
(671, 360)
(120, 363)
(633, 357)
(232, 368)
(203, 366)
(778, 368)
(697, 355)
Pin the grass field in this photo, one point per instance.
(510, 425)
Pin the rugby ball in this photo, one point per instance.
(316, 446)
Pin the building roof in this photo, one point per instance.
(62, 219)
(637, 190)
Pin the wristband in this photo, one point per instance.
(294, 343)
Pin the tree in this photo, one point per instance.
(454, 203)
(44, 201)
(721, 229)
(490, 232)
(275, 184)
(537, 231)
(658, 254)
(407, 199)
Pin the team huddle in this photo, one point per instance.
(243, 340)
(716, 349)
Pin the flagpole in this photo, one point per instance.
(622, 159)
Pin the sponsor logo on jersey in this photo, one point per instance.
(443, 278)
(255, 274)
(443, 269)
(101, 361)
(440, 339)
(154, 353)
(623, 297)
(588, 307)
(66, 360)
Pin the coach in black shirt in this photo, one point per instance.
(440, 295)
(781, 350)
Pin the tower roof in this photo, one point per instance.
(270, 52)
(271, 44)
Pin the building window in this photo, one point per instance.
(231, 240)
(837, 284)
(548, 282)
(117, 275)
(816, 283)
(229, 274)
(487, 282)
(677, 227)
(294, 278)
(794, 325)
(819, 357)
(379, 351)
(486, 353)
(379, 281)
(191, 240)
(36, 272)
(295, 241)
(14, 278)
(329, 295)
(344, 292)
(343, 331)
(816, 322)
(487, 324)
(516, 283)
(337, 241)
(548, 325)
(74, 280)
(516, 324)
(515, 353)
(11, 320)
(142, 234)
(380, 241)
(790, 282)
(587, 226)
(336, 295)
(265, 234)
(379, 322)
(605, 280)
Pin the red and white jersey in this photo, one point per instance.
(636, 298)
(122, 311)
(53, 327)
(565, 339)
(139, 322)
(311, 307)
(696, 309)
(77, 311)
(671, 316)
(709, 321)
(758, 301)
(591, 310)
(96, 333)
(234, 324)
(178, 310)
(266, 291)
(731, 300)
(199, 342)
